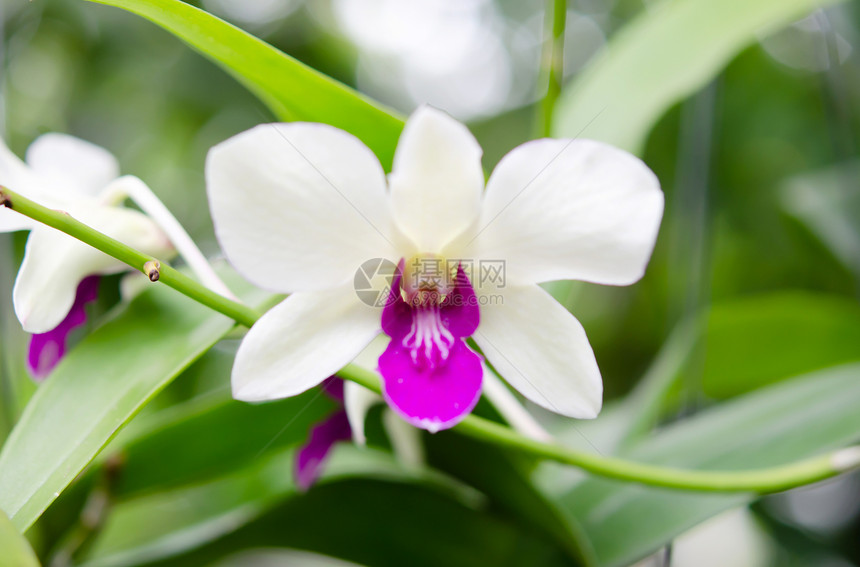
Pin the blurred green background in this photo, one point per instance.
(760, 240)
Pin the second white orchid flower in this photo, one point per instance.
(59, 274)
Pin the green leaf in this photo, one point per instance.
(373, 521)
(667, 53)
(504, 478)
(774, 425)
(163, 524)
(759, 340)
(224, 433)
(16, 550)
(827, 202)
(97, 388)
(292, 90)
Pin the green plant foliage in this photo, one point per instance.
(165, 523)
(16, 551)
(790, 420)
(292, 90)
(664, 55)
(110, 376)
(758, 340)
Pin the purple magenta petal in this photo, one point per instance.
(47, 349)
(396, 313)
(460, 311)
(431, 398)
(333, 388)
(324, 436)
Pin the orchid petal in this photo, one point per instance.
(542, 351)
(436, 181)
(68, 166)
(54, 263)
(460, 310)
(302, 341)
(15, 175)
(570, 209)
(298, 207)
(311, 458)
(47, 349)
(431, 398)
(405, 440)
(357, 401)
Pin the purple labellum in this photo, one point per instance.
(47, 349)
(311, 458)
(429, 375)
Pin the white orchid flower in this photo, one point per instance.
(58, 276)
(298, 208)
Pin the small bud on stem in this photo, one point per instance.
(5, 201)
(151, 269)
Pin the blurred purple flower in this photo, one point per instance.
(311, 457)
(47, 349)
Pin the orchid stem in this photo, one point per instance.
(762, 481)
(138, 260)
(774, 479)
(552, 63)
(139, 192)
(510, 408)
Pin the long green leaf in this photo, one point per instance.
(674, 48)
(15, 550)
(758, 340)
(292, 90)
(385, 522)
(783, 422)
(163, 524)
(225, 434)
(504, 478)
(96, 389)
(827, 202)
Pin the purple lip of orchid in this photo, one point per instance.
(311, 458)
(47, 349)
(429, 375)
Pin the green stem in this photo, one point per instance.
(148, 265)
(552, 63)
(773, 479)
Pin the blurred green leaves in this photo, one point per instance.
(16, 551)
(762, 339)
(667, 53)
(292, 90)
(205, 478)
(790, 420)
(97, 389)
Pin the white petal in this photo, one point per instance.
(436, 180)
(66, 164)
(54, 263)
(357, 401)
(302, 341)
(10, 221)
(298, 207)
(15, 175)
(542, 351)
(510, 408)
(405, 440)
(570, 209)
